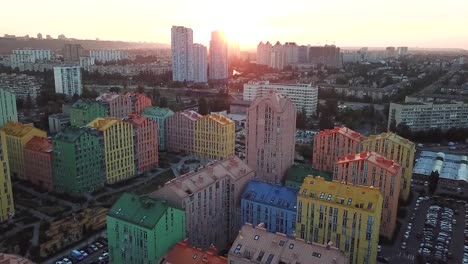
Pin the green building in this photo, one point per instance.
(84, 111)
(78, 165)
(297, 173)
(8, 111)
(159, 115)
(141, 229)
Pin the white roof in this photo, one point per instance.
(449, 166)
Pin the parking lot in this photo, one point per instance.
(93, 253)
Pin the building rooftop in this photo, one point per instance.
(107, 97)
(103, 124)
(259, 246)
(271, 194)
(392, 137)
(192, 115)
(182, 253)
(297, 173)
(39, 144)
(453, 167)
(139, 210)
(13, 259)
(274, 100)
(220, 119)
(60, 116)
(17, 129)
(136, 119)
(343, 131)
(69, 134)
(83, 104)
(268, 84)
(373, 157)
(158, 111)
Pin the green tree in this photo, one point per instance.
(301, 120)
(326, 122)
(114, 89)
(163, 102)
(140, 89)
(433, 181)
(202, 106)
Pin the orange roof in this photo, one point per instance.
(136, 119)
(182, 253)
(344, 131)
(374, 157)
(39, 144)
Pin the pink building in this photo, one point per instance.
(180, 129)
(372, 169)
(122, 105)
(332, 144)
(38, 162)
(146, 142)
(270, 136)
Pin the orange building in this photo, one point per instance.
(38, 162)
(372, 169)
(332, 144)
(182, 253)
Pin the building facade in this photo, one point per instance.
(142, 230)
(343, 215)
(129, 103)
(7, 207)
(29, 56)
(17, 135)
(84, 111)
(146, 142)
(58, 122)
(8, 111)
(180, 131)
(118, 145)
(332, 144)
(271, 205)
(328, 55)
(373, 169)
(215, 137)
(68, 80)
(218, 57)
(160, 116)
(108, 55)
(182, 53)
(38, 162)
(211, 200)
(270, 136)
(304, 96)
(264, 53)
(200, 63)
(72, 52)
(78, 165)
(87, 62)
(396, 148)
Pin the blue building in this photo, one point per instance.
(270, 204)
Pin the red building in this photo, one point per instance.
(38, 162)
(122, 105)
(182, 253)
(146, 142)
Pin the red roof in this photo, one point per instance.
(374, 157)
(136, 119)
(344, 131)
(182, 253)
(39, 144)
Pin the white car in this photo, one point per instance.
(104, 256)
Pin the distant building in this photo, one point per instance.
(264, 53)
(233, 51)
(8, 111)
(129, 103)
(278, 56)
(373, 169)
(183, 253)
(108, 55)
(159, 115)
(291, 53)
(218, 56)
(72, 52)
(298, 172)
(142, 230)
(343, 215)
(211, 200)
(256, 245)
(38, 162)
(68, 80)
(22, 85)
(215, 137)
(239, 106)
(20, 56)
(7, 207)
(390, 52)
(13, 259)
(61, 37)
(84, 111)
(271, 205)
(200, 64)
(39, 36)
(180, 131)
(304, 96)
(182, 54)
(58, 122)
(402, 51)
(328, 55)
(270, 136)
(87, 62)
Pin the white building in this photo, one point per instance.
(278, 57)
(182, 53)
(291, 50)
(264, 53)
(304, 96)
(29, 56)
(57, 122)
(218, 56)
(68, 80)
(87, 62)
(108, 55)
(200, 67)
(402, 51)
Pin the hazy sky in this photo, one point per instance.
(421, 23)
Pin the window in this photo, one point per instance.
(194, 256)
(238, 248)
(329, 197)
(256, 237)
(369, 206)
(260, 256)
(270, 258)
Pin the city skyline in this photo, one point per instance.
(367, 23)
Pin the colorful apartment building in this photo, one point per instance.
(124, 104)
(38, 162)
(298, 172)
(342, 215)
(13, 259)
(142, 230)
(332, 144)
(17, 135)
(7, 207)
(396, 148)
(118, 146)
(183, 253)
(270, 136)
(254, 244)
(215, 137)
(8, 111)
(272, 205)
(211, 199)
(372, 169)
(78, 165)
(145, 136)
(160, 115)
(180, 129)
(84, 111)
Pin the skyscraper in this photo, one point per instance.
(218, 56)
(68, 80)
(270, 139)
(264, 53)
(182, 53)
(200, 67)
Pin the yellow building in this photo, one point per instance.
(7, 207)
(398, 149)
(17, 135)
(118, 147)
(347, 216)
(215, 136)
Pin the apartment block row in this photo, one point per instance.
(22, 85)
